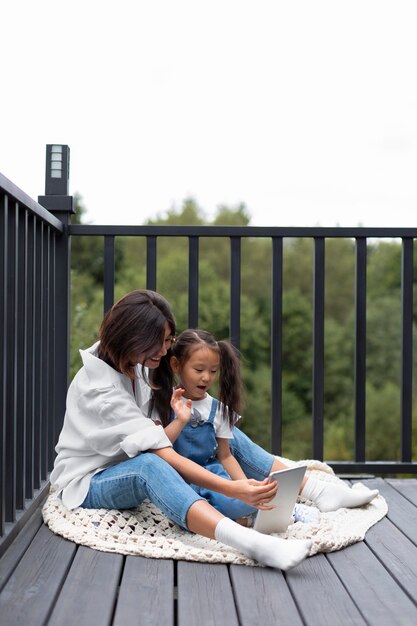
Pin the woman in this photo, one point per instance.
(111, 455)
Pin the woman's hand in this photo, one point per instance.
(254, 492)
(181, 409)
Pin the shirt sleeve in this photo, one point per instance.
(120, 424)
(221, 425)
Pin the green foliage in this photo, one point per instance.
(297, 345)
(340, 279)
(88, 251)
(383, 422)
(383, 338)
(86, 314)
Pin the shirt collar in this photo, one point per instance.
(99, 372)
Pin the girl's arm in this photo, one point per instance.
(251, 491)
(227, 459)
(182, 412)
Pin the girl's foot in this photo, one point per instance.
(330, 496)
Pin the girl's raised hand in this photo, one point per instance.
(181, 409)
(254, 492)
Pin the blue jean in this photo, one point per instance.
(197, 441)
(254, 460)
(229, 507)
(127, 484)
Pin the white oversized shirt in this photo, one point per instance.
(105, 423)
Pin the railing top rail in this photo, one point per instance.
(12, 190)
(242, 231)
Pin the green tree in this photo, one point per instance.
(87, 252)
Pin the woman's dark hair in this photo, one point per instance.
(230, 382)
(135, 325)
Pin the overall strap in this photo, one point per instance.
(213, 410)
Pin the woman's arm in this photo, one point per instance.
(227, 459)
(251, 491)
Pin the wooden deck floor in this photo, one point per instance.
(45, 579)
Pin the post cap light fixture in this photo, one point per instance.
(56, 198)
(57, 170)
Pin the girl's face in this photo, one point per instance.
(154, 360)
(198, 373)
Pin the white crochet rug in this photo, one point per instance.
(146, 532)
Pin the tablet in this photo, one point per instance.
(278, 519)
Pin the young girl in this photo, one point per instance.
(110, 455)
(201, 427)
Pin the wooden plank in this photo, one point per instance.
(205, 595)
(397, 552)
(90, 590)
(406, 486)
(146, 595)
(401, 511)
(321, 598)
(375, 592)
(31, 590)
(18, 547)
(262, 597)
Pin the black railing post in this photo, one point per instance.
(407, 262)
(59, 203)
(235, 282)
(193, 260)
(276, 345)
(360, 349)
(109, 271)
(318, 348)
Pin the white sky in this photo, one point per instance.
(304, 110)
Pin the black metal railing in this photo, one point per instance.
(34, 336)
(28, 266)
(277, 235)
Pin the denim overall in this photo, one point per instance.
(197, 442)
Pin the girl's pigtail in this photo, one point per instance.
(230, 382)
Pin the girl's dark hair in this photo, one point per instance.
(230, 382)
(135, 325)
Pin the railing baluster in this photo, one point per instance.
(406, 348)
(235, 264)
(12, 366)
(37, 363)
(9, 401)
(360, 348)
(52, 435)
(45, 352)
(109, 268)
(3, 356)
(151, 263)
(193, 264)
(318, 348)
(22, 359)
(276, 345)
(30, 357)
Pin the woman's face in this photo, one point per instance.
(153, 361)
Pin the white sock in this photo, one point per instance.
(332, 496)
(266, 549)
